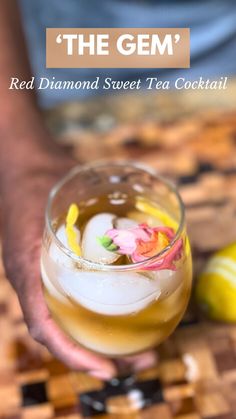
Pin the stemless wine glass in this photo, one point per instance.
(116, 307)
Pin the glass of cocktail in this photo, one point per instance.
(116, 261)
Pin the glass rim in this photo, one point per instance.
(98, 266)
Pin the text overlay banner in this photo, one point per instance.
(118, 48)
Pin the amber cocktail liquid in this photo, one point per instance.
(116, 262)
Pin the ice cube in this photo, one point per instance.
(111, 293)
(52, 262)
(52, 286)
(56, 253)
(124, 223)
(96, 227)
(62, 236)
(167, 279)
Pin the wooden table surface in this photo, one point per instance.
(191, 138)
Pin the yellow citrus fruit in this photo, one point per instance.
(216, 287)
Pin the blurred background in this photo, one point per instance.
(190, 138)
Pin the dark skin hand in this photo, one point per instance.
(30, 164)
(23, 211)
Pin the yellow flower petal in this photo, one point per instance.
(72, 239)
(163, 240)
(72, 215)
(71, 233)
(147, 207)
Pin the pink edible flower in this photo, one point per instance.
(165, 262)
(143, 242)
(126, 240)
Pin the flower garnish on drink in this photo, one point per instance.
(144, 242)
(71, 231)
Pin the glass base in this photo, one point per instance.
(121, 396)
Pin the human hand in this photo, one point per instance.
(23, 223)
(23, 215)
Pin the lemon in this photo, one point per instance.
(216, 287)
